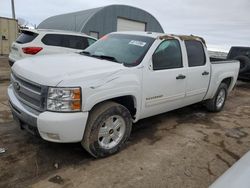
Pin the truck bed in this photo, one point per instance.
(215, 60)
(221, 69)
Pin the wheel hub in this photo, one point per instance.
(111, 132)
(221, 98)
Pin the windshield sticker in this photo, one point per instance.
(137, 43)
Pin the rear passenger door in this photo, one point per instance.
(198, 71)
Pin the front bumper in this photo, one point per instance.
(12, 60)
(51, 126)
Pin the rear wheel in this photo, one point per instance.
(108, 128)
(217, 103)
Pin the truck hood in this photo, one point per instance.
(50, 70)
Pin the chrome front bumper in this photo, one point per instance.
(51, 126)
(25, 116)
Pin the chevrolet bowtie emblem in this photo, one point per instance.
(17, 86)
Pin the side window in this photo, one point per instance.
(168, 55)
(195, 52)
(67, 41)
(91, 41)
(52, 40)
(75, 42)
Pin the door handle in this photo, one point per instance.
(205, 73)
(180, 77)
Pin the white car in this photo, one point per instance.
(33, 42)
(94, 97)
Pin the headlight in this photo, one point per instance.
(64, 99)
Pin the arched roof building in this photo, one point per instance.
(100, 21)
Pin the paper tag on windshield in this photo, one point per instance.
(137, 43)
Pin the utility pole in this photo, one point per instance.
(13, 9)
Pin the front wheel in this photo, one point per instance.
(217, 103)
(108, 128)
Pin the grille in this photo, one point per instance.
(28, 92)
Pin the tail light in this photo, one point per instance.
(31, 50)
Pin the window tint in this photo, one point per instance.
(53, 40)
(167, 55)
(91, 41)
(68, 41)
(195, 52)
(26, 37)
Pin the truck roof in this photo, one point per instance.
(163, 35)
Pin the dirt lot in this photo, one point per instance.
(184, 148)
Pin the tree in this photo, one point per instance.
(22, 22)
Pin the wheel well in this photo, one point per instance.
(127, 101)
(227, 81)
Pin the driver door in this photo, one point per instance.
(164, 82)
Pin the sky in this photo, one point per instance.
(222, 23)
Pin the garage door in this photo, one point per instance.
(129, 25)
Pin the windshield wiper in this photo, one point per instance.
(110, 58)
(85, 53)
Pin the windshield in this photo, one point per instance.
(121, 48)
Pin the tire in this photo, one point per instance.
(244, 63)
(213, 105)
(108, 128)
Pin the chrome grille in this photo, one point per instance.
(28, 92)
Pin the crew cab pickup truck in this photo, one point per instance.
(93, 97)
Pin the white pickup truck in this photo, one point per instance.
(93, 97)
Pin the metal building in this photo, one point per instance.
(8, 34)
(100, 21)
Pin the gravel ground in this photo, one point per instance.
(188, 147)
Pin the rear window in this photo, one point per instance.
(67, 41)
(26, 36)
